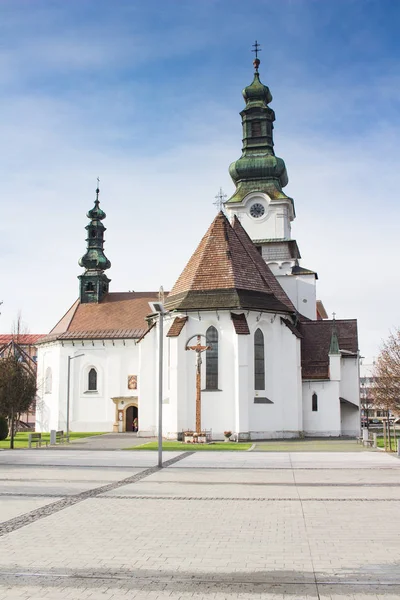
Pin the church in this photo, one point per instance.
(272, 366)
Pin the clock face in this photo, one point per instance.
(257, 210)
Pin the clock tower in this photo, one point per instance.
(260, 203)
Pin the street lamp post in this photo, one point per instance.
(68, 387)
(160, 384)
(158, 307)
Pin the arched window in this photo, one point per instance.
(212, 359)
(314, 402)
(92, 380)
(48, 381)
(259, 361)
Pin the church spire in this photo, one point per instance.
(258, 169)
(94, 283)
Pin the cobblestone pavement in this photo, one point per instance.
(105, 441)
(212, 525)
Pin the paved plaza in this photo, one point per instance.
(108, 524)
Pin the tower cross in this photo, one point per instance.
(98, 189)
(257, 49)
(220, 199)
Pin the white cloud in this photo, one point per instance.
(161, 166)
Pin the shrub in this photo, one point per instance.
(3, 428)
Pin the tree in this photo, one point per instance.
(17, 390)
(386, 389)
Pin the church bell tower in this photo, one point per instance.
(94, 282)
(259, 201)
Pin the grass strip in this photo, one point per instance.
(181, 447)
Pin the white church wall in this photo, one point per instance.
(243, 372)
(218, 411)
(326, 420)
(114, 361)
(350, 390)
(47, 409)
(175, 412)
(301, 289)
(282, 418)
(275, 222)
(89, 410)
(148, 365)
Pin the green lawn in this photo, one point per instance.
(21, 438)
(310, 445)
(380, 443)
(181, 447)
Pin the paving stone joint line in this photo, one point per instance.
(66, 502)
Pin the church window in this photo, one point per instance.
(93, 233)
(212, 359)
(259, 361)
(256, 128)
(48, 381)
(314, 402)
(89, 287)
(92, 380)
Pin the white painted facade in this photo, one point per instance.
(113, 360)
(338, 400)
(301, 289)
(234, 406)
(275, 223)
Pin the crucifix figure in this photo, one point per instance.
(198, 348)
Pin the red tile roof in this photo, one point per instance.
(223, 273)
(262, 266)
(177, 326)
(316, 341)
(26, 339)
(119, 315)
(240, 324)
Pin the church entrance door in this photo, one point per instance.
(131, 413)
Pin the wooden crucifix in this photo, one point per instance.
(199, 349)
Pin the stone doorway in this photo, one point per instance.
(131, 413)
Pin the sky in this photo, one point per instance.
(147, 95)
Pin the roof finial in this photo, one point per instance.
(98, 189)
(220, 200)
(256, 61)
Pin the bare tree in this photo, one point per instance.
(17, 379)
(386, 389)
(17, 390)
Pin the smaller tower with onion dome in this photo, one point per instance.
(94, 282)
